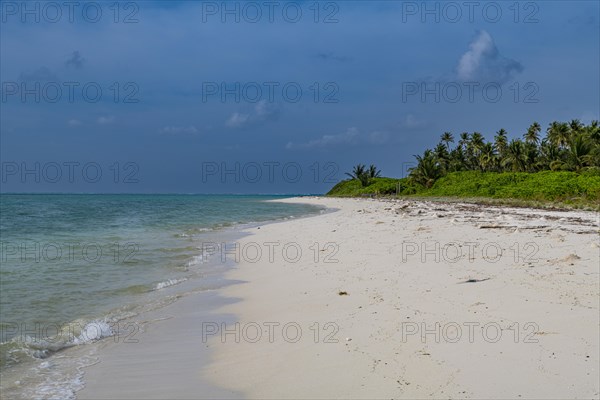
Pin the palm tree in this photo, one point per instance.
(364, 175)
(477, 140)
(474, 149)
(515, 156)
(533, 134)
(501, 142)
(531, 156)
(357, 171)
(458, 161)
(373, 172)
(579, 153)
(441, 153)
(549, 155)
(593, 131)
(464, 140)
(487, 157)
(427, 170)
(447, 138)
(559, 133)
(575, 125)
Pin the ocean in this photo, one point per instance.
(75, 268)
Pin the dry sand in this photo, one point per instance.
(550, 292)
(395, 299)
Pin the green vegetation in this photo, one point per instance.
(562, 186)
(363, 175)
(563, 167)
(353, 187)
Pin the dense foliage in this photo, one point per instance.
(363, 174)
(564, 167)
(570, 146)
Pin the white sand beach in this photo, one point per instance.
(388, 299)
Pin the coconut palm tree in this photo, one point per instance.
(500, 143)
(441, 153)
(364, 175)
(458, 160)
(559, 133)
(533, 134)
(464, 140)
(487, 157)
(474, 149)
(357, 171)
(447, 138)
(549, 155)
(515, 156)
(427, 170)
(575, 125)
(373, 172)
(579, 154)
(531, 156)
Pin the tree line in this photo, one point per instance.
(567, 146)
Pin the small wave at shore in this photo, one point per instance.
(170, 282)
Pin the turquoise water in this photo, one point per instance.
(68, 261)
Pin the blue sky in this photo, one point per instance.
(194, 101)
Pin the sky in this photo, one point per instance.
(272, 96)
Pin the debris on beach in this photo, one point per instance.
(475, 280)
(343, 293)
(570, 258)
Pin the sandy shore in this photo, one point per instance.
(390, 299)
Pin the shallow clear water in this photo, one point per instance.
(73, 265)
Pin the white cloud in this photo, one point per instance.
(109, 119)
(483, 62)
(73, 122)
(263, 111)
(348, 137)
(351, 137)
(378, 137)
(411, 122)
(237, 120)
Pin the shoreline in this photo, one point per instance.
(355, 317)
(115, 360)
(51, 365)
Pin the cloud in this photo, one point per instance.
(378, 137)
(42, 74)
(351, 137)
(348, 137)
(262, 112)
(73, 122)
(179, 130)
(109, 119)
(354, 137)
(411, 122)
(237, 120)
(483, 62)
(75, 60)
